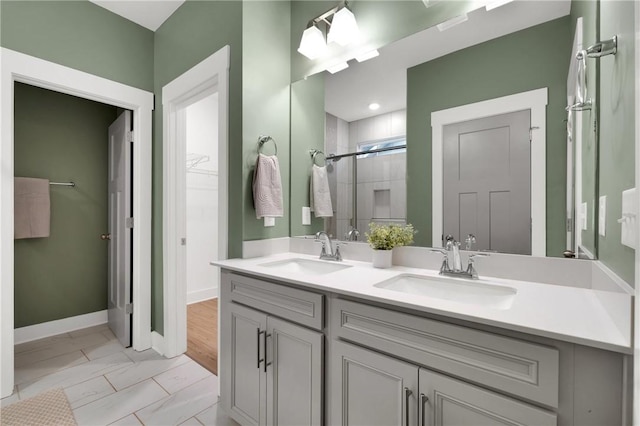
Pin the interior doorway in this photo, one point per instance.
(201, 142)
(18, 67)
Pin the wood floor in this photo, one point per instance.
(202, 334)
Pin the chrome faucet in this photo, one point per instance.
(327, 252)
(352, 235)
(452, 265)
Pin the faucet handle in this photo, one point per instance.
(439, 250)
(469, 241)
(337, 254)
(472, 256)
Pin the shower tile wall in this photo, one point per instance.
(379, 178)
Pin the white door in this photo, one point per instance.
(487, 182)
(120, 228)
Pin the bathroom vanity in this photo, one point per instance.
(305, 341)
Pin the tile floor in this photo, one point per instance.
(107, 384)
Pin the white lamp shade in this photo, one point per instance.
(312, 44)
(344, 28)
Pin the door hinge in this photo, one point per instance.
(129, 136)
(129, 222)
(531, 129)
(128, 308)
(183, 241)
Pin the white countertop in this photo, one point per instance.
(570, 314)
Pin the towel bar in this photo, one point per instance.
(264, 139)
(314, 153)
(72, 184)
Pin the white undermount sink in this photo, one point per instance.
(458, 290)
(306, 266)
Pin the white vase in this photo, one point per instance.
(382, 258)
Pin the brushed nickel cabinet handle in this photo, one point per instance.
(105, 237)
(258, 347)
(266, 364)
(407, 393)
(421, 414)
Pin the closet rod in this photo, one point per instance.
(73, 184)
(373, 151)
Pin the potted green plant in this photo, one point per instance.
(383, 238)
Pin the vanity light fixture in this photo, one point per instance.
(452, 22)
(374, 106)
(337, 67)
(339, 24)
(496, 4)
(312, 44)
(367, 55)
(344, 28)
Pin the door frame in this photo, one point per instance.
(535, 100)
(19, 67)
(209, 76)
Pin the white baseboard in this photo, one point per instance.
(202, 295)
(157, 342)
(65, 325)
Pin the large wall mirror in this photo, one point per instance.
(461, 131)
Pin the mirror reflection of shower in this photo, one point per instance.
(366, 167)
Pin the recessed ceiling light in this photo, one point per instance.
(337, 67)
(367, 55)
(374, 106)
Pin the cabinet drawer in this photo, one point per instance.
(299, 306)
(509, 365)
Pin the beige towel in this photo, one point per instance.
(32, 208)
(267, 187)
(319, 193)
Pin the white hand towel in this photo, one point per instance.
(319, 193)
(32, 208)
(267, 187)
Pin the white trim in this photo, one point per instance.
(157, 342)
(202, 295)
(636, 327)
(16, 66)
(207, 77)
(64, 325)
(536, 101)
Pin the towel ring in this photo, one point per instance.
(314, 153)
(264, 139)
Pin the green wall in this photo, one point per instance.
(499, 67)
(80, 35)
(194, 32)
(617, 132)
(63, 138)
(307, 132)
(265, 102)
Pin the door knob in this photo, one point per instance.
(105, 237)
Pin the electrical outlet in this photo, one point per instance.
(269, 221)
(602, 215)
(628, 221)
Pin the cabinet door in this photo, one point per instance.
(448, 402)
(243, 378)
(294, 374)
(370, 389)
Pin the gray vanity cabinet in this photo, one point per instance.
(271, 369)
(443, 401)
(370, 388)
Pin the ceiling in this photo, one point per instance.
(148, 13)
(384, 79)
